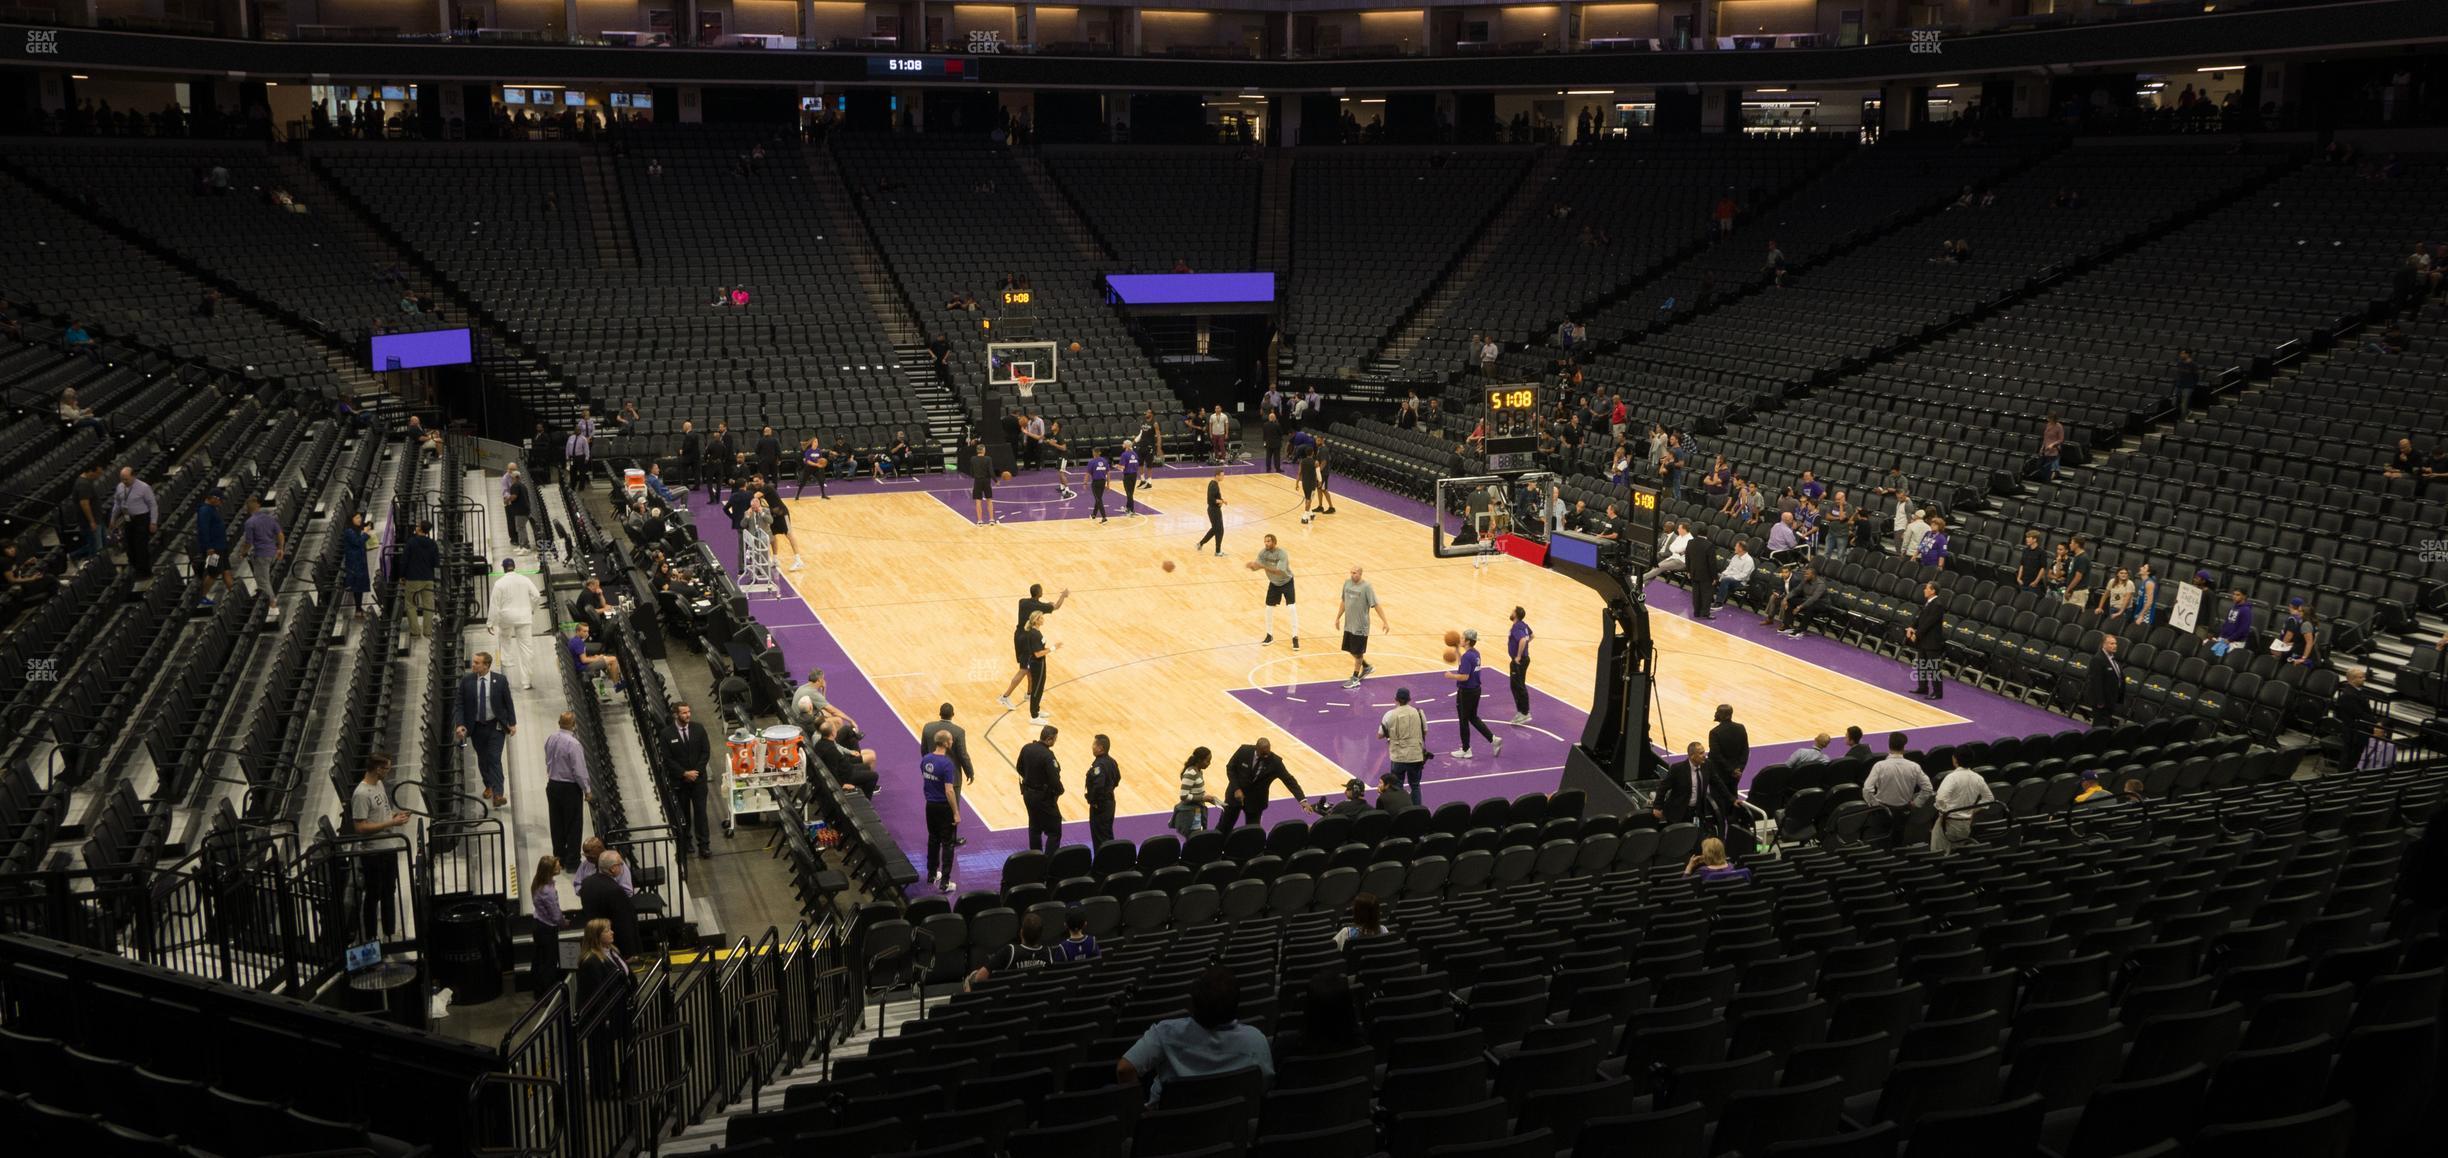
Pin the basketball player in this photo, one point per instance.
(1098, 467)
(1325, 471)
(1352, 619)
(1517, 642)
(1466, 698)
(1130, 481)
(1033, 603)
(1278, 567)
(1151, 443)
(1309, 482)
(981, 486)
(1215, 514)
(1053, 441)
(814, 460)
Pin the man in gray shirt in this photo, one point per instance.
(370, 813)
(941, 725)
(1895, 783)
(1352, 618)
(1277, 563)
(263, 542)
(808, 706)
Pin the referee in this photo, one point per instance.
(1278, 567)
(1215, 514)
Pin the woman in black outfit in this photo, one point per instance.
(544, 904)
(599, 968)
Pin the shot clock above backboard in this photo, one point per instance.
(1516, 399)
(922, 67)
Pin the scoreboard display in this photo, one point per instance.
(922, 67)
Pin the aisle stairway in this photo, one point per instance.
(1275, 214)
(607, 215)
(1405, 338)
(1066, 216)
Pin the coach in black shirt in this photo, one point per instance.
(1040, 789)
(769, 454)
(720, 458)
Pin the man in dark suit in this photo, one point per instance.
(1682, 788)
(1252, 771)
(688, 756)
(484, 717)
(2106, 692)
(1700, 566)
(942, 724)
(1729, 746)
(1927, 635)
(692, 454)
(1041, 789)
(601, 898)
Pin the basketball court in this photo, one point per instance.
(920, 602)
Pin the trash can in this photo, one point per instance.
(467, 952)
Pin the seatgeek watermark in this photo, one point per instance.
(2432, 551)
(1925, 42)
(42, 671)
(42, 42)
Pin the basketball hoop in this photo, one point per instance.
(1026, 384)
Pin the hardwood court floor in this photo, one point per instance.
(923, 602)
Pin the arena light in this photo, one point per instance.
(78, 76)
(1772, 90)
(1589, 92)
(1949, 84)
(2222, 68)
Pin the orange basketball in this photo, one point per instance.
(1168, 566)
(1007, 476)
(1452, 639)
(1452, 656)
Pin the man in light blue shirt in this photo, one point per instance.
(1211, 1040)
(1815, 754)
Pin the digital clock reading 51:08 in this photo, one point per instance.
(1512, 400)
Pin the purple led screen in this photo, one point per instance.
(1190, 289)
(423, 348)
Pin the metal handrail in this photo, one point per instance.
(549, 1146)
